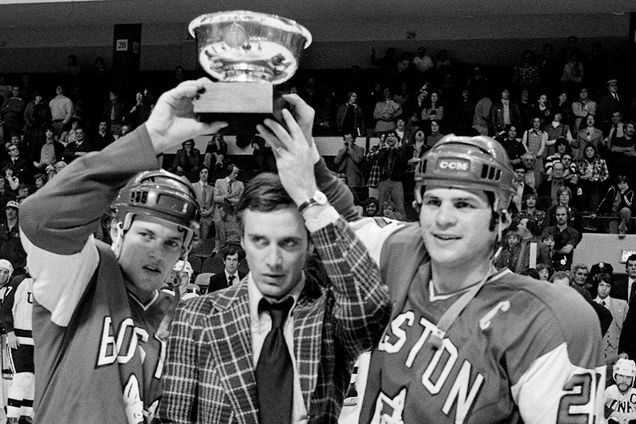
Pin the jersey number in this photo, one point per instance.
(580, 388)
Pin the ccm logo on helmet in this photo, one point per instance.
(453, 164)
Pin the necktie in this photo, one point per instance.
(203, 196)
(230, 280)
(229, 187)
(603, 303)
(632, 292)
(274, 371)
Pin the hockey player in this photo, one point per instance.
(620, 398)
(467, 343)
(97, 308)
(179, 280)
(15, 315)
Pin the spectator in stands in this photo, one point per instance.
(50, 152)
(434, 110)
(138, 114)
(580, 274)
(24, 191)
(522, 189)
(21, 167)
(350, 117)
(561, 146)
(61, 110)
(37, 117)
(561, 278)
(618, 203)
(557, 129)
(434, 135)
(509, 257)
(534, 175)
(478, 82)
(573, 72)
(564, 196)
(482, 114)
(616, 129)
(533, 251)
(565, 238)
(548, 192)
(610, 103)
(530, 211)
(542, 109)
(563, 106)
(68, 135)
(505, 112)
(350, 161)
(10, 245)
(6, 195)
(264, 160)
(386, 112)
(545, 271)
(393, 163)
(534, 140)
(549, 71)
(623, 152)
(402, 132)
(40, 180)
(232, 255)
(79, 147)
(512, 145)
(526, 110)
(526, 73)
(227, 230)
(588, 135)
(114, 112)
(12, 112)
(215, 158)
(464, 110)
(371, 207)
(11, 179)
(187, 161)
(414, 108)
(593, 173)
(103, 137)
(422, 62)
(413, 152)
(205, 195)
(618, 308)
(581, 108)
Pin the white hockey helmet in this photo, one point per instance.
(625, 367)
(181, 274)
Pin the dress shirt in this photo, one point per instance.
(506, 111)
(601, 301)
(261, 325)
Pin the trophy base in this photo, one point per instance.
(242, 105)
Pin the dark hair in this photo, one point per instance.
(622, 179)
(232, 249)
(631, 257)
(371, 200)
(264, 193)
(562, 141)
(229, 169)
(533, 227)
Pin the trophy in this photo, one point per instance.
(248, 53)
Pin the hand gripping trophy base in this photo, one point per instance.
(242, 105)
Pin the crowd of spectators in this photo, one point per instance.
(561, 116)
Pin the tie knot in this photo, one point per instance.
(277, 311)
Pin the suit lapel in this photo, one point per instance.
(308, 325)
(231, 348)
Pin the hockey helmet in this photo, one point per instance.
(159, 194)
(625, 367)
(473, 163)
(181, 275)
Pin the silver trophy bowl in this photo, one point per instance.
(244, 46)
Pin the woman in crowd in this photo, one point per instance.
(588, 135)
(545, 272)
(434, 135)
(534, 140)
(433, 111)
(530, 211)
(593, 173)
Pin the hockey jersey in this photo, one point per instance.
(521, 351)
(97, 357)
(17, 309)
(620, 406)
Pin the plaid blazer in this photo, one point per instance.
(209, 371)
